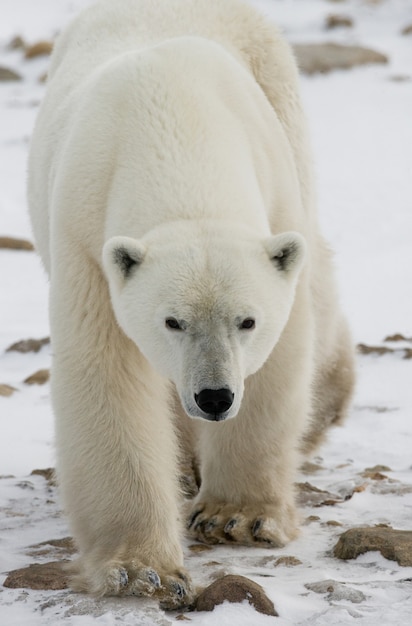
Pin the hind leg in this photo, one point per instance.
(334, 385)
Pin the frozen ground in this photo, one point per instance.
(362, 134)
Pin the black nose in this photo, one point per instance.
(214, 401)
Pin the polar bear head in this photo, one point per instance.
(204, 304)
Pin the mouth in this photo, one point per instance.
(214, 417)
(195, 412)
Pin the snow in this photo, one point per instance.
(362, 137)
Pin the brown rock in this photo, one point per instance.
(28, 345)
(378, 468)
(49, 473)
(57, 548)
(12, 243)
(364, 349)
(407, 30)
(337, 591)
(235, 589)
(287, 561)
(380, 350)
(39, 576)
(7, 74)
(325, 57)
(397, 337)
(16, 43)
(337, 21)
(38, 378)
(7, 390)
(309, 495)
(199, 547)
(395, 545)
(41, 48)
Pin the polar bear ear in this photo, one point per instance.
(121, 255)
(287, 252)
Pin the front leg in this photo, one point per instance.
(249, 465)
(116, 450)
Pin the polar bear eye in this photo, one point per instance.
(172, 323)
(247, 324)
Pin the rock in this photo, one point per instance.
(6, 75)
(380, 350)
(407, 30)
(41, 48)
(309, 495)
(287, 561)
(310, 468)
(38, 378)
(325, 57)
(49, 473)
(395, 545)
(7, 390)
(273, 561)
(16, 43)
(235, 588)
(337, 21)
(337, 591)
(39, 576)
(196, 548)
(12, 243)
(57, 548)
(377, 468)
(398, 337)
(28, 345)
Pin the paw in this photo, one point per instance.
(255, 525)
(172, 589)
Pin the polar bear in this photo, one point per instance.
(171, 198)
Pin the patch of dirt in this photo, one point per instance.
(326, 57)
(398, 337)
(56, 548)
(28, 345)
(309, 495)
(337, 591)
(381, 350)
(197, 548)
(16, 43)
(38, 378)
(6, 75)
(338, 21)
(14, 243)
(40, 48)
(281, 561)
(50, 576)
(48, 473)
(7, 390)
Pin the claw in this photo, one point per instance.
(154, 578)
(211, 524)
(179, 589)
(257, 527)
(230, 525)
(193, 518)
(123, 577)
(200, 526)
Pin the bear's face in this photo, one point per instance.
(206, 310)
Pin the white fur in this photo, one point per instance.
(170, 177)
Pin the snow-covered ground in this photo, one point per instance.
(361, 122)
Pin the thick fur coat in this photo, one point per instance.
(171, 197)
